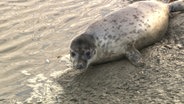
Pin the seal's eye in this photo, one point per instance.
(88, 55)
(72, 54)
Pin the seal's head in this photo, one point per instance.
(82, 51)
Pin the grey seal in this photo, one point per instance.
(123, 33)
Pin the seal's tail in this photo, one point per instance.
(176, 6)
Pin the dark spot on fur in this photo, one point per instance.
(114, 21)
(145, 29)
(133, 31)
(131, 23)
(123, 34)
(103, 45)
(146, 24)
(140, 25)
(114, 37)
(142, 16)
(105, 38)
(110, 36)
(97, 38)
(104, 20)
(119, 27)
(140, 31)
(100, 42)
(135, 16)
(124, 20)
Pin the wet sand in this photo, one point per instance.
(34, 40)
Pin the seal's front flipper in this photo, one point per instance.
(134, 56)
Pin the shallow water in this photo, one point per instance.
(33, 35)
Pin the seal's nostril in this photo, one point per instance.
(79, 66)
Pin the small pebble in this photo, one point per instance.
(180, 46)
(47, 60)
(168, 46)
(58, 56)
(74, 100)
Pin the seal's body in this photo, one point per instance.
(139, 24)
(122, 33)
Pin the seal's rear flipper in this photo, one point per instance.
(176, 6)
(134, 56)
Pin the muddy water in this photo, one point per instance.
(34, 34)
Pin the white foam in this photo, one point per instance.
(44, 89)
(25, 72)
(66, 59)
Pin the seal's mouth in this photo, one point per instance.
(80, 66)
